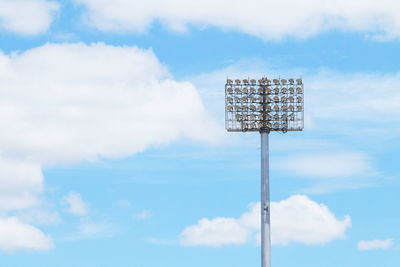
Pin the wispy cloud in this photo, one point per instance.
(75, 204)
(375, 244)
(327, 165)
(124, 203)
(88, 229)
(145, 214)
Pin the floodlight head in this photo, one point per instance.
(253, 105)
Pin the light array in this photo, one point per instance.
(264, 105)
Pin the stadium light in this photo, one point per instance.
(264, 106)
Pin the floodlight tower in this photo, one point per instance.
(264, 106)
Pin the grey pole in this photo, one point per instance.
(265, 205)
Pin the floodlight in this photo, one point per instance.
(257, 98)
(256, 107)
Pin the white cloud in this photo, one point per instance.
(16, 235)
(266, 19)
(294, 220)
(64, 103)
(375, 244)
(20, 182)
(216, 232)
(72, 102)
(88, 229)
(75, 204)
(326, 165)
(145, 214)
(299, 219)
(38, 216)
(27, 17)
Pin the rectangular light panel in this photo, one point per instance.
(264, 105)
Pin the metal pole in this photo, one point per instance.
(265, 205)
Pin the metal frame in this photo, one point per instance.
(264, 106)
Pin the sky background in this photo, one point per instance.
(113, 150)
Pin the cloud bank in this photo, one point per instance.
(297, 219)
(269, 20)
(66, 103)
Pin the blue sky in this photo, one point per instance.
(113, 150)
